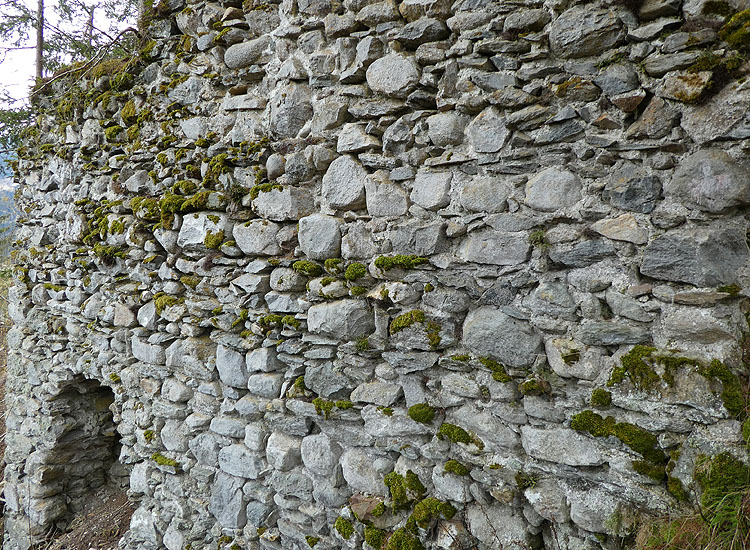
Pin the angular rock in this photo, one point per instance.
(320, 236)
(582, 31)
(710, 180)
(552, 189)
(287, 203)
(364, 469)
(488, 246)
(581, 254)
(290, 109)
(227, 503)
(422, 30)
(610, 333)
(622, 228)
(283, 451)
(238, 460)
(344, 184)
(320, 454)
(490, 332)
(488, 132)
(446, 128)
(344, 319)
(485, 521)
(385, 198)
(562, 446)
(231, 367)
(257, 238)
(485, 194)
(431, 190)
(394, 75)
(632, 192)
(378, 393)
(700, 256)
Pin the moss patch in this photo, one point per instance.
(421, 412)
(455, 467)
(456, 434)
(344, 527)
(399, 261)
(306, 267)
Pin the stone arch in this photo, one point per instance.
(74, 456)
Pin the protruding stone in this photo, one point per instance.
(490, 332)
(431, 190)
(344, 184)
(552, 189)
(394, 75)
(344, 319)
(488, 246)
(231, 367)
(487, 132)
(257, 237)
(582, 31)
(320, 236)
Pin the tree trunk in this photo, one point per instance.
(39, 40)
(90, 29)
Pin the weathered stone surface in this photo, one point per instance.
(245, 54)
(346, 319)
(700, 256)
(238, 460)
(485, 194)
(344, 184)
(227, 503)
(431, 190)
(488, 246)
(394, 75)
(446, 128)
(287, 203)
(378, 393)
(610, 333)
(487, 132)
(552, 189)
(622, 228)
(363, 470)
(320, 454)
(283, 451)
(320, 236)
(290, 109)
(710, 180)
(562, 446)
(257, 237)
(484, 520)
(231, 367)
(423, 30)
(385, 198)
(581, 254)
(489, 332)
(582, 31)
(631, 192)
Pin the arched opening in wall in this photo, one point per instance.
(83, 469)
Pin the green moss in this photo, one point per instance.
(115, 378)
(355, 271)
(149, 435)
(716, 7)
(498, 371)
(344, 527)
(641, 441)
(163, 301)
(290, 321)
(357, 290)
(404, 489)
(399, 261)
(431, 508)
(363, 344)
(379, 509)
(270, 320)
(676, 489)
(192, 282)
(571, 357)
(197, 202)
(323, 407)
(333, 265)
(112, 133)
(601, 398)
(406, 320)
(311, 269)
(462, 357)
(457, 434)
(184, 187)
(421, 412)
(312, 541)
(534, 386)
(526, 480)
(162, 460)
(648, 469)
(634, 367)
(387, 411)
(56, 288)
(725, 481)
(213, 240)
(733, 289)
(264, 188)
(344, 404)
(731, 394)
(128, 113)
(109, 253)
(404, 538)
(736, 31)
(538, 237)
(455, 467)
(374, 537)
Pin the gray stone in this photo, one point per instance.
(552, 189)
(581, 254)
(431, 190)
(196, 227)
(488, 246)
(174, 435)
(422, 30)
(631, 192)
(238, 460)
(368, 50)
(617, 79)
(257, 237)
(394, 75)
(562, 446)
(344, 319)
(610, 333)
(283, 451)
(407, 362)
(488, 132)
(344, 184)
(290, 109)
(195, 356)
(287, 203)
(378, 393)
(582, 31)
(320, 236)
(364, 469)
(651, 9)
(700, 256)
(227, 503)
(485, 194)
(526, 20)
(148, 353)
(205, 447)
(446, 129)
(710, 180)
(231, 367)
(625, 306)
(265, 384)
(552, 298)
(658, 64)
(353, 139)
(449, 486)
(245, 54)
(385, 198)
(490, 332)
(496, 527)
(263, 360)
(320, 454)
(622, 228)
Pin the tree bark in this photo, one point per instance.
(39, 40)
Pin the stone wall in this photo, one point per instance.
(449, 276)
